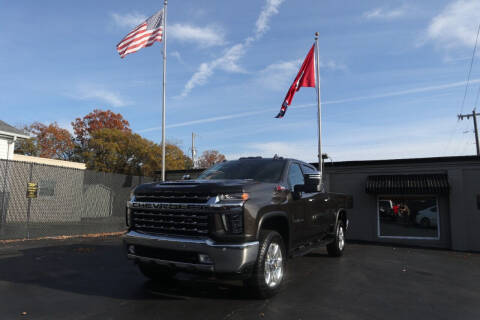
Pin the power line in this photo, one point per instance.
(476, 99)
(466, 90)
(470, 70)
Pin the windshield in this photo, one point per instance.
(259, 170)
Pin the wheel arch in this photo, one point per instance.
(342, 215)
(277, 221)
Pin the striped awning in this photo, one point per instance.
(408, 184)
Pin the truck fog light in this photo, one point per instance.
(131, 249)
(233, 222)
(204, 258)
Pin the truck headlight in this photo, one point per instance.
(233, 197)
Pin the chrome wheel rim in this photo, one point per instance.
(273, 265)
(341, 238)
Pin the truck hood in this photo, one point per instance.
(196, 186)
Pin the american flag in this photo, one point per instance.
(142, 36)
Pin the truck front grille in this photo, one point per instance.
(174, 197)
(172, 222)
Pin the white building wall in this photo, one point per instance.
(3, 148)
(10, 148)
(6, 148)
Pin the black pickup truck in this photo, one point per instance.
(240, 219)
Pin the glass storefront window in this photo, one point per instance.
(408, 217)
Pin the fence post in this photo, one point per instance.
(29, 203)
(3, 214)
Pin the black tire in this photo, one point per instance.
(258, 281)
(336, 247)
(155, 272)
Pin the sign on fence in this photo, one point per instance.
(32, 190)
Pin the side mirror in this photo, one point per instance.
(312, 182)
(299, 188)
(297, 191)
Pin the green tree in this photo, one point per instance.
(209, 158)
(96, 120)
(47, 142)
(119, 151)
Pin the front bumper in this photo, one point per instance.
(226, 258)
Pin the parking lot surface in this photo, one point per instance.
(92, 279)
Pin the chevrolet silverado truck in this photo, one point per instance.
(240, 219)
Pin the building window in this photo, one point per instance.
(414, 217)
(46, 188)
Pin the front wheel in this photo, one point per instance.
(269, 271)
(336, 248)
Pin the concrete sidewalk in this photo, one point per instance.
(92, 279)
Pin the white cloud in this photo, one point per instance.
(128, 20)
(270, 9)
(229, 60)
(200, 77)
(405, 92)
(386, 14)
(398, 140)
(205, 120)
(177, 56)
(279, 75)
(264, 109)
(203, 36)
(332, 65)
(456, 25)
(90, 92)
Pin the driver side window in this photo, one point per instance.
(295, 176)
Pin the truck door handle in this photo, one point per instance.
(310, 200)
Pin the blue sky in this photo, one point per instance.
(393, 73)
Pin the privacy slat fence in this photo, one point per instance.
(69, 201)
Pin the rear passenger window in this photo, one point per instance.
(295, 176)
(308, 169)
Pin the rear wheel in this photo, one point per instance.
(155, 272)
(269, 271)
(336, 248)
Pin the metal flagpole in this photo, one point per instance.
(164, 80)
(319, 111)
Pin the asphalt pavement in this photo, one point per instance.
(92, 279)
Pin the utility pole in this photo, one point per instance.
(194, 151)
(474, 115)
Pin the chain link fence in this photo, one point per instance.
(66, 201)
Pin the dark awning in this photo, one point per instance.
(408, 184)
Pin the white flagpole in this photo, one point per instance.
(319, 111)
(164, 36)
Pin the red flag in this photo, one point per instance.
(304, 78)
